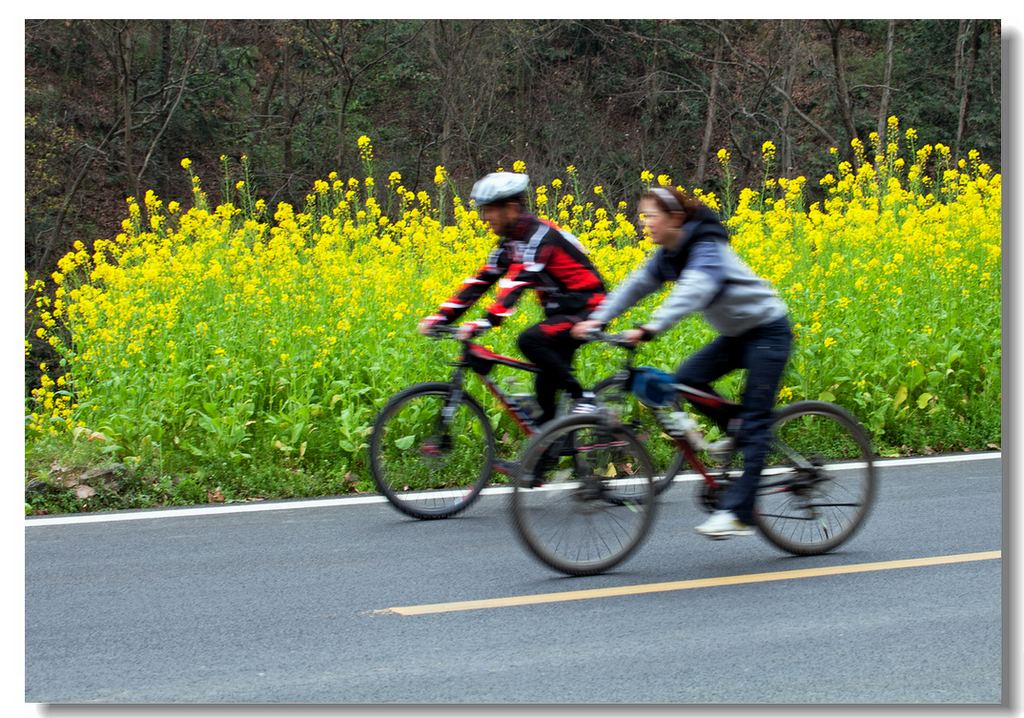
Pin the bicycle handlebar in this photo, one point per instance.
(440, 329)
(616, 340)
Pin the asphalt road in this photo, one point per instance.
(286, 606)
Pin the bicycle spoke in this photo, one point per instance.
(430, 457)
(613, 398)
(824, 496)
(569, 522)
(795, 458)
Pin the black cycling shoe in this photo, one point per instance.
(507, 468)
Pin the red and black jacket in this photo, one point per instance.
(537, 254)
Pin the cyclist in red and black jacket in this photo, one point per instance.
(532, 254)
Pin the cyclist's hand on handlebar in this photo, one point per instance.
(427, 325)
(633, 336)
(471, 329)
(584, 330)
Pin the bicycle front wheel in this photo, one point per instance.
(584, 500)
(819, 479)
(666, 459)
(429, 466)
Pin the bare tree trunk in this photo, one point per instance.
(343, 125)
(709, 120)
(335, 45)
(652, 98)
(348, 85)
(883, 108)
(286, 108)
(337, 41)
(171, 106)
(166, 57)
(451, 44)
(165, 53)
(440, 42)
(124, 51)
(269, 96)
(788, 83)
(961, 37)
(66, 205)
(744, 62)
(842, 91)
(995, 50)
(972, 31)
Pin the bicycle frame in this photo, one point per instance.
(694, 396)
(699, 398)
(481, 361)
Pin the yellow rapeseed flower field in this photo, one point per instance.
(222, 337)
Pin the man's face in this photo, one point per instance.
(500, 218)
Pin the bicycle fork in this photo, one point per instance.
(441, 442)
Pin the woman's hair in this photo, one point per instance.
(672, 200)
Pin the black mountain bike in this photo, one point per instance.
(432, 448)
(592, 508)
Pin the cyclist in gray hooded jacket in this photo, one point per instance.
(709, 277)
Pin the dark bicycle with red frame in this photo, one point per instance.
(591, 508)
(432, 449)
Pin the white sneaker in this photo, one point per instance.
(722, 525)
(587, 404)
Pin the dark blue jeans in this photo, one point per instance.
(763, 351)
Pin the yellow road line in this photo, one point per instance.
(686, 585)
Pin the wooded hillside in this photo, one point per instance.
(113, 106)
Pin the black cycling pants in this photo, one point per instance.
(551, 347)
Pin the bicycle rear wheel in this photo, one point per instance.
(427, 467)
(819, 479)
(597, 500)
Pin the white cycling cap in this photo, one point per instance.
(498, 186)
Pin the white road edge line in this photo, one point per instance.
(375, 499)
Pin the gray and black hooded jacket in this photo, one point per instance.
(709, 277)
